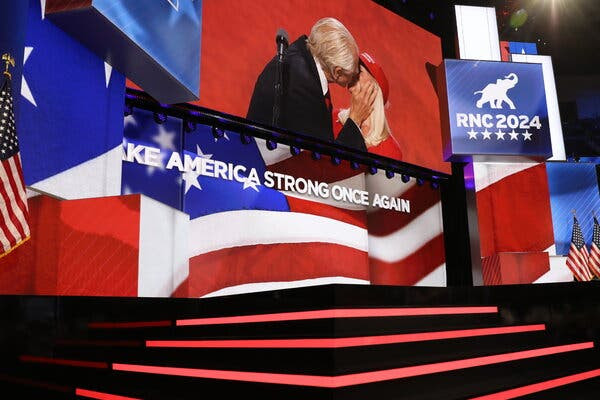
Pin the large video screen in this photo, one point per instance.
(238, 74)
(150, 205)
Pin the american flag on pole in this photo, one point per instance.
(14, 228)
(594, 260)
(577, 259)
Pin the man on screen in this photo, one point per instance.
(328, 55)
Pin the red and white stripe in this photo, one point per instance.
(577, 261)
(406, 248)
(594, 260)
(14, 228)
(320, 240)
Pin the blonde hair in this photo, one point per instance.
(333, 45)
(380, 129)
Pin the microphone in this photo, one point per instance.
(281, 38)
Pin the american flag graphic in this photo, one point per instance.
(594, 260)
(245, 237)
(577, 259)
(14, 228)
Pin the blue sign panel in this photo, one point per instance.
(522, 48)
(157, 182)
(573, 186)
(70, 110)
(494, 109)
(154, 43)
(230, 176)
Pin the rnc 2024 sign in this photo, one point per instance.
(493, 109)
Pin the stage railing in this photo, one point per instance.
(191, 114)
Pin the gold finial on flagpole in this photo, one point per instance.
(10, 62)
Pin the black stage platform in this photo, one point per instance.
(322, 342)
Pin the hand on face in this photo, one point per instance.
(363, 94)
(365, 127)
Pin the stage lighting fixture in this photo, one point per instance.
(389, 174)
(217, 132)
(315, 155)
(271, 144)
(160, 118)
(372, 170)
(405, 178)
(354, 165)
(189, 126)
(435, 185)
(245, 138)
(420, 181)
(335, 160)
(294, 150)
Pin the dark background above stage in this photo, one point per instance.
(565, 29)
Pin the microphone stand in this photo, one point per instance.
(281, 47)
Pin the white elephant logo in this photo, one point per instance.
(495, 93)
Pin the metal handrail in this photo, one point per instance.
(190, 113)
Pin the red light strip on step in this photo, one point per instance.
(334, 343)
(34, 383)
(105, 343)
(541, 386)
(134, 324)
(60, 361)
(350, 379)
(100, 395)
(338, 313)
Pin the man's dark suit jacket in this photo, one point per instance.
(303, 108)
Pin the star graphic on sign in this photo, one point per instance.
(248, 183)
(224, 136)
(472, 134)
(184, 8)
(500, 134)
(191, 179)
(129, 120)
(514, 135)
(527, 135)
(201, 154)
(107, 73)
(25, 90)
(165, 138)
(151, 169)
(486, 134)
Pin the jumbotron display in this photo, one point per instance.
(238, 72)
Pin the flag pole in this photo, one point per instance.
(10, 62)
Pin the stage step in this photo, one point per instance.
(588, 389)
(429, 383)
(336, 342)
(320, 361)
(478, 381)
